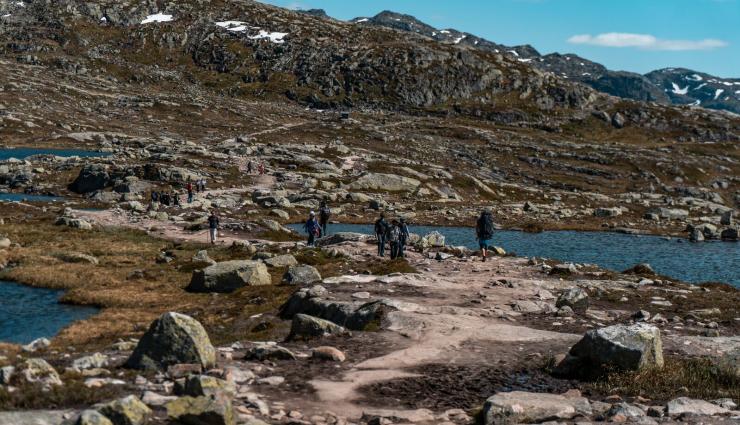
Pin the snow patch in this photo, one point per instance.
(718, 92)
(679, 90)
(234, 26)
(6, 16)
(699, 86)
(694, 77)
(157, 17)
(459, 39)
(275, 37)
(696, 103)
(725, 83)
(444, 32)
(513, 52)
(103, 19)
(524, 60)
(361, 20)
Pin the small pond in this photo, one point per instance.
(22, 197)
(690, 262)
(28, 313)
(22, 153)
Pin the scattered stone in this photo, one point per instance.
(96, 360)
(524, 407)
(685, 405)
(305, 326)
(328, 353)
(126, 411)
(281, 261)
(204, 385)
(623, 347)
(212, 410)
(301, 275)
(36, 345)
(575, 298)
(229, 276)
(39, 371)
(171, 339)
(264, 352)
(92, 417)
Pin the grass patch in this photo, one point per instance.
(380, 268)
(73, 394)
(690, 377)
(278, 236)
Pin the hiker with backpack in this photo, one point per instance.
(484, 231)
(190, 191)
(381, 232)
(404, 237)
(213, 223)
(394, 238)
(312, 228)
(324, 216)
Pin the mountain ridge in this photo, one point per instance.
(654, 86)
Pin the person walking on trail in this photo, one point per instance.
(484, 231)
(394, 237)
(249, 167)
(203, 185)
(404, 228)
(176, 198)
(312, 228)
(213, 223)
(381, 231)
(155, 199)
(190, 191)
(261, 168)
(324, 216)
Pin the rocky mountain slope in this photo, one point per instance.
(667, 86)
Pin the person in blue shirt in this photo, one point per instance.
(312, 228)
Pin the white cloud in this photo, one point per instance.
(645, 41)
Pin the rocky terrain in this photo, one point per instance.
(666, 86)
(262, 329)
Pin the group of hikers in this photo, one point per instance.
(198, 186)
(260, 168)
(396, 233)
(166, 198)
(172, 198)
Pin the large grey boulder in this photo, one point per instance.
(34, 417)
(301, 275)
(341, 237)
(92, 417)
(228, 276)
(523, 407)
(39, 371)
(576, 298)
(172, 339)
(386, 182)
(620, 347)
(281, 261)
(305, 326)
(670, 213)
(204, 385)
(92, 177)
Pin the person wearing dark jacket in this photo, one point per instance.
(381, 232)
(213, 223)
(312, 228)
(484, 231)
(404, 228)
(324, 216)
(394, 238)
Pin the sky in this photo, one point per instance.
(630, 35)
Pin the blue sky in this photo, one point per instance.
(631, 35)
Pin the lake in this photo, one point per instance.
(22, 153)
(28, 313)
(690, 262)
(22, 197)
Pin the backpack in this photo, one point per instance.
(485, 226)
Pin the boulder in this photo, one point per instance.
(92, 417)
(92, 177)
(576, 298)
(211, 410)
(126, 411)
(202, 258)
(670, 213)
(229, 276)
(524, 407)
(341, 237)
(34, 417)
(204, 385)
(305, 326)
(172, 339)
(301, 275)
(608, 212)
(39, 371)
(93, 361)
(5, 243)
(264, 352)
(620, 347)
(328, 354)
(685, 405)
(281, 261)
(76, 257)
(727, 218)
(385, 182)
(36, 345)
(729, 234)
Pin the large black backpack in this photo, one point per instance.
(485, 226)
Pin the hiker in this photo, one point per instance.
(203, 185)
(381, 230)
(176, 198)
(312, 228)
(261, 168)
(484, 231)
(324, 216)
(213, 223)
(249, 167)
(155, 199)
(165, 198)
(404, 237)
(190, 191)
(394, 237)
